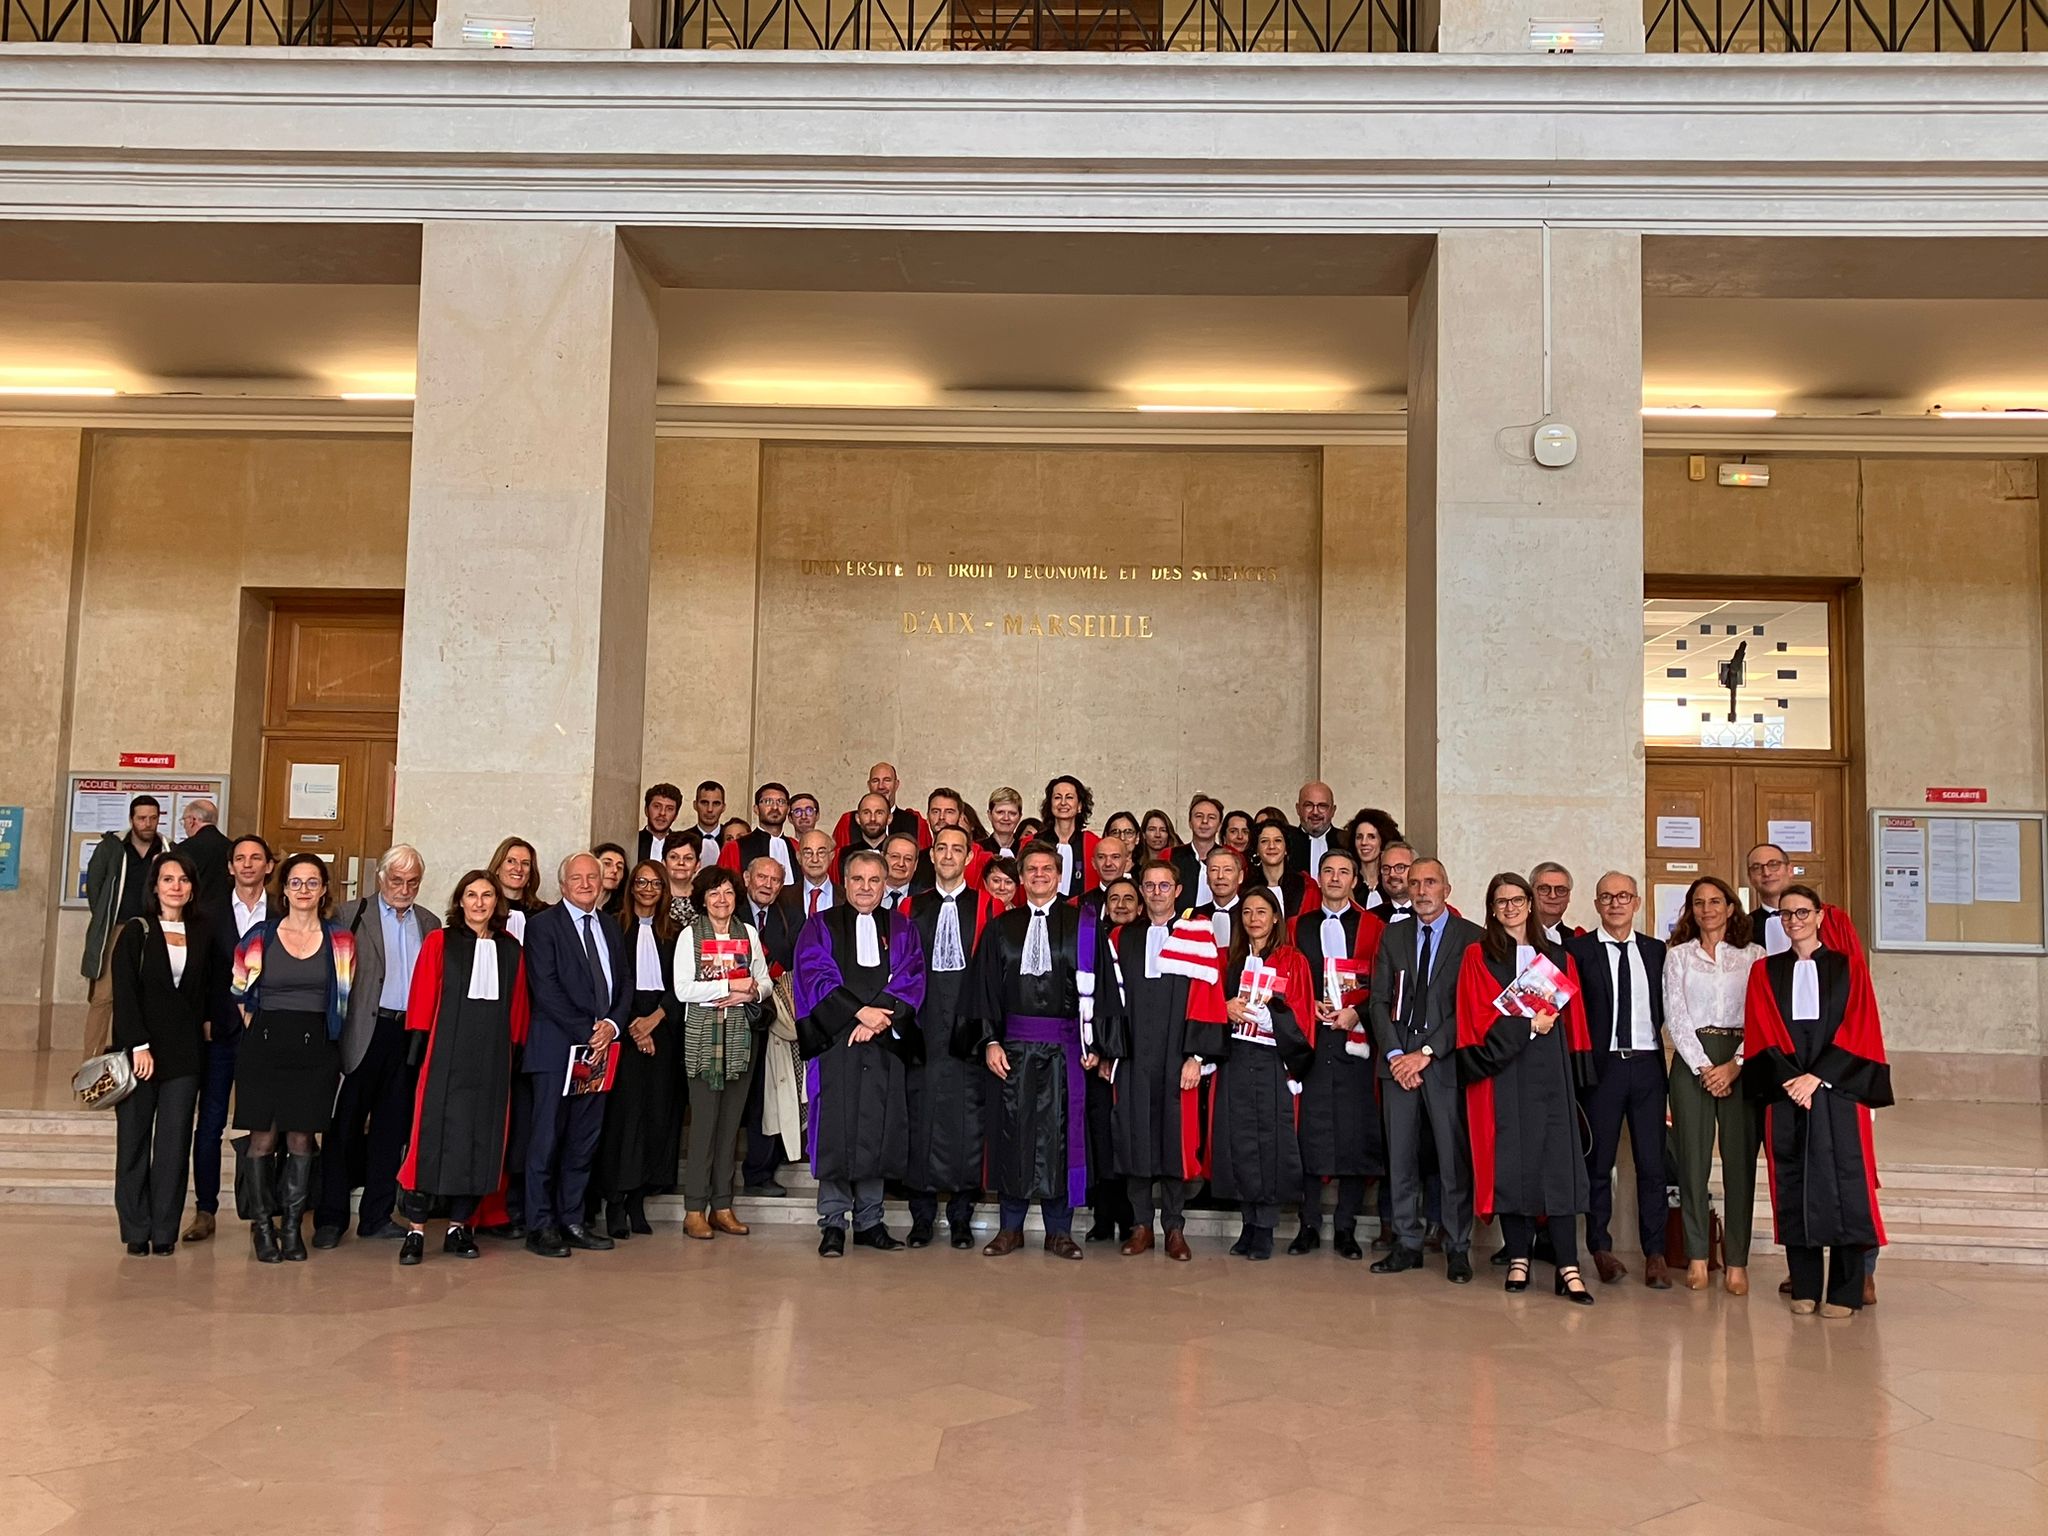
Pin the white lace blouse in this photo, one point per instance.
(1705, 993)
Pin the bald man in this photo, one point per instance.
(1316, 834)
(882, 781)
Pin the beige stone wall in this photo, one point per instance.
(1365, 555)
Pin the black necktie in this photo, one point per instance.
(1418, 1008)
(598, 988)
(1624, 1000)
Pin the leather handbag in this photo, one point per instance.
(104, 1081)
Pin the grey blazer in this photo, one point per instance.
(1430, 1017)
(361, 918)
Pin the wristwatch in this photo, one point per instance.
(1429, 1053)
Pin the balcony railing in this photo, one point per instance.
(1104, 26)
(1847, 26)
(240, 23)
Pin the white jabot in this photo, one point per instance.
(1219, 924)
(1038, 944)
(515, 924)
(778, 850)
(177, 954)
(1554, 932)
(646, 957)
(1318, 845)
(1279, 897)
(1336, 944)
(1156, 935)
(1203, 895)
(483, 972)
(1066, 866)
(1773, 937)
(948, 953)
(867, 942)
(656, 843)
(1805, 990)
(1525, 956)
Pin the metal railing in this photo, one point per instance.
(1846, 26)
(237, 23)
(1106, 26)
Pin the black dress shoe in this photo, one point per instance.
(414, 1249)
(616, 1225)
(1385, 1242)
(877, 1237)
(963, 1236)
(769, 1191)
(1499, 1259)
(460, 1243)
(326, 1237)
(384, 1229)
(636, 1216)
(1458, 1268)
(582, 1237)
(832, 1242)
(1262, 1243)
(1243, 1245)
(1346, 1244)
(1399, 1260)
(548, 1242)
(1571, 1285)
(1307, 1240)
(920, 1235)
(162, 1250)
(1102, 1232)
(138, 1250)
(511, 1231)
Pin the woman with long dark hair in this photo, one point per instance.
(1238, 832)
(1706, 982)
(515, 867)
(1159, 835)
(642, 1143)
(466, 1018)
(1522, 1077)
(611, 881)
(1124, 825)
(167, 975)
(1367, 834)
(1268, 868)
(1063, 821)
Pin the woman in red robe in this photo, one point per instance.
(1522, 1077)
(467, 1013)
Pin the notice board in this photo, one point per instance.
(97, 803)
(1951, 882)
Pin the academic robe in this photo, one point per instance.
(1150, 1026)
(945, 1091)
(642, 1143)
(740, 852)
(1521, 1095)
(1255, 1146)
(903, 819)
(1340, 1108)
(1823, 1168)
(1037, 1141)
(460, 1106)
(1080, 871)
(1298, 893)
(860, 1123)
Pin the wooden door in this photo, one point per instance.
(1689, 831)
(1703, 818)
(1799, 807)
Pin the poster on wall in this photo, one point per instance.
(1902, 882)
(10, 847)
(97, 803)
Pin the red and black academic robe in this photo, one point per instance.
(1079, 874)
(860, 1123)
(1823, 1168)
(1149, 1026)
(1297, 893)
(460, 1104)
(903, 819)
(859, 844)
(642, 1144)
(1340, 1113)
(945, 1092)
(740, 852)
(1521, 1095)
(1254, 1136)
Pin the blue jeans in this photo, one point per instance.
(216, 1087)
(1059, 1216)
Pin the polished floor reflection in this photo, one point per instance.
(744, 1385)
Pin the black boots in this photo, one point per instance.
(263, 1198)
(297, 1193)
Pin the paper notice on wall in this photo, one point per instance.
(1902, 883)
(1792, 836)
(315, 792)
(1670, 901)
(1678, 831)
(1998, 860)
(1951, 862)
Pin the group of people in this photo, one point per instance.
(1269, 1012)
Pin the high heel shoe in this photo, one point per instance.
(1696, 1275)
(1735, 1280)
(1571, 1285)
(1518, 1275)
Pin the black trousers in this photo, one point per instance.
(1844, 1274)
(152, 1140)
(216, 1089)
(1629, 1093)
(372, 1124)
(1350, 1200)
(764, 1152)
(1173, 1202)
(924, 1208)
(1108, 1198)
(1519, 1233)
(559, 1151)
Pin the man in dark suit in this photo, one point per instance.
(207, 847)
(244, 905)
(1414, 1041)
(663, 802)
(769, 839)
(1621, 973)
(772, 909)
(1190, 859)
(580, 987)
(1316, 835)
(817, 888)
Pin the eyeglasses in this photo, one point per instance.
(1798, 914)
(305, 885)
(1614, 898)
(646, 885)
(1553, 890)
(1509, 903)
(1767, 866)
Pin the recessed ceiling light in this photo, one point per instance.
(1712, 412)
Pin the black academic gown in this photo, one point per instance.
(1340, 1111)
(1257, 1151)
(945, 1092)
(1027, 1133)
(860, 1122)
(1534, 1137)
(461, 1101)
(1155, 1131)
(642, 1144)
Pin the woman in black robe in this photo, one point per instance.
(1522, 1077)
(467, 1015)
(1254, 1145)
(1813, 1054)
(642, 1144)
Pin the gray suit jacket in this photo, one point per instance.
(361, 918)
(1430, 1016)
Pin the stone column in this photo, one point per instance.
(527, 552)
(559, 24)
(1525, 584)
(1502, 26)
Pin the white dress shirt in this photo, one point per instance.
(1637, 1033)
(247, 916)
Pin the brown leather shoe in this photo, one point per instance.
(1655, 1274)
(1736, 1280)
(1696, 1275)
(1140, 1242)
(725, 1221)
(1611, 1269)
(1870, 1290)
(1006, 1240)
(1177, 1247)
(201, 1228)
(1061, 1245)
(694, 1225)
